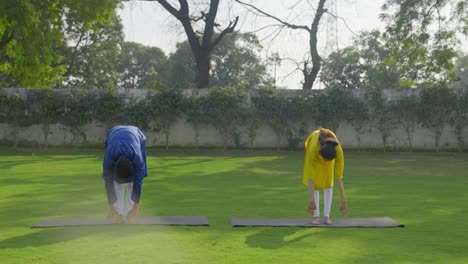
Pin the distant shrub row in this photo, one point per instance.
(236, 114)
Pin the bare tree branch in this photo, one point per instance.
(229, 29)
(75, 50)
(344, 22)
(201, 17)
(183, 16)
(265, 27)
(209, 25)
(293, 26)
(275, 35)
(169, 8)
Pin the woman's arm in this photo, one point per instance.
(344, 205)
(311, 207)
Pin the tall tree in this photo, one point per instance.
(235, 62)
(423, 37)
(179, 71)
(416, 17)
(141, 66)
(201, 43)
(310, 72)
(343, 69)
(92, 58)
(30, 32)
(367, 63)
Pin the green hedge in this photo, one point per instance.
(228, 110)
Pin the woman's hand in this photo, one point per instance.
(311, 207)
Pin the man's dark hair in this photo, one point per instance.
(123, 169)
(328, 150)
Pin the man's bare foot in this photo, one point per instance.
(120, 219)
(116, 219)
(328, 221)
(316, 221)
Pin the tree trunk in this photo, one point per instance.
(409, 137)
(384, 141)
(166, 134)
(308, 79)
(310, 76)
(196, 135)
(15, 136)
(203, 45)
(225, 139)
(438, 134)
(278, 140)
(45, 130)
(358, 139)
(202, 74)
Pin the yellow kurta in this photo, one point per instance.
(318, 169)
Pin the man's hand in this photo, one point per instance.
(133, 213)
(311, 207)
(344, 208)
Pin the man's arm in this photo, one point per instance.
(139, 165)
(136, 193)
(107, 175)
(140, 173)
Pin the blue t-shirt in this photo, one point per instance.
(126, 141)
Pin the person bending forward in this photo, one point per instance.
(124, 167)
(323, 161)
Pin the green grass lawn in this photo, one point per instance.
(426, 192)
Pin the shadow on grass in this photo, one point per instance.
(29, 160)
(45, 237)
(50, 236)
(275, 237)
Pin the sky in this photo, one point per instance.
(146, 22)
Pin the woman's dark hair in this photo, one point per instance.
(328, 150)
(123, 169)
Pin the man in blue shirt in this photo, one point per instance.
(124, 164)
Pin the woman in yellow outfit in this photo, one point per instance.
(323, 162)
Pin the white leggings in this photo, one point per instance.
(327, 195)
(124, 202)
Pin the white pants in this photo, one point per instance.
(124, 202)
(327, 195)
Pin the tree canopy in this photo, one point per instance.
(31, 31)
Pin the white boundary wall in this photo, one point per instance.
(182, 134)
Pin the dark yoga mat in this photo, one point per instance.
(307, 222)
(144, 220)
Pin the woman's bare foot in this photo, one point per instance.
(328, 221)
(316, 221)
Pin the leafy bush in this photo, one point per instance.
(15, 111)
(435, 111)
(77, 111)
(222, 108)
(165, 108)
